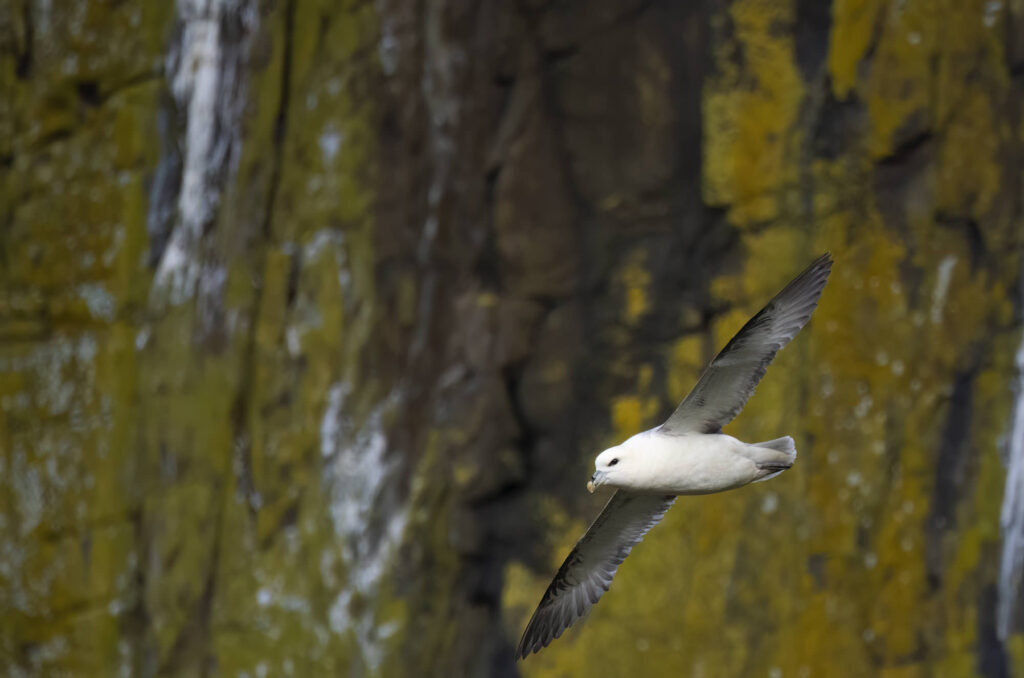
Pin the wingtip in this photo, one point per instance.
(522, 651)
(822, 266)
(528, 643)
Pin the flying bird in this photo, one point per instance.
(688, 454)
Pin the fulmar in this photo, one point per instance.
(688, 454)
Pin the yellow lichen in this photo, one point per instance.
(750, 131)
(853, 27)
(635, 280)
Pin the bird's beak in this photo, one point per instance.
(592, 485)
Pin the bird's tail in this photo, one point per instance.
(774, 456)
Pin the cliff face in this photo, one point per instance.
(314, 314)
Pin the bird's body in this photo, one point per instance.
(698, 463)
(687, 455)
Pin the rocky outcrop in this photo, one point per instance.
(313, 316)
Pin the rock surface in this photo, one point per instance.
(313, 315)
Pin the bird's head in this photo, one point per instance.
(609, 466)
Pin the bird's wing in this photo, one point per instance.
(730, 379)
(588, 570)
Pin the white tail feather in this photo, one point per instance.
(784, 445)
(781, 457)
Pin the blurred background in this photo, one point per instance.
(314, 314)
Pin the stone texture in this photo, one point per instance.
(445, 253)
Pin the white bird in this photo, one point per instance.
(688, 454)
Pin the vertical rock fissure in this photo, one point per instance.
(249, 367)
(23, 65)
(950, 468)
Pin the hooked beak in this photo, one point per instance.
(595, 480)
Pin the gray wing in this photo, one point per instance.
(588, 570)
(730, 379)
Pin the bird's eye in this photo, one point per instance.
(613, 462)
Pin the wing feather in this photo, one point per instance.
(729, 381)
(588, 570)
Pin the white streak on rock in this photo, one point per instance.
(1011, 570)
(330, 143)
(942, 280)
(993, 8)
(98, 300)
(361, 476)
(204, 71)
